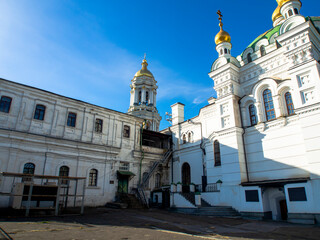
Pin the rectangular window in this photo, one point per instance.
(98, 125)
(252, 195)
(124, 166)
(39, 112)
(126, 131)
(5, 104)
(71, 119)
(297, 194)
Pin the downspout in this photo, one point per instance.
(171, 143)
(243, 142)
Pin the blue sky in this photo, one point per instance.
(90, 50)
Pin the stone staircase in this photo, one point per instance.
(215, 211)
(126, 201)
(140, 190)
(189, 197)
(206, 209)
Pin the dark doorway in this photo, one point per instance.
(186, 179)
(123, 184)
(283, 209)
(166, 198)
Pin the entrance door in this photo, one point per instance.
(283, 209)
(186, 179)
(123, 184)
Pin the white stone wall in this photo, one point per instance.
(50, 144)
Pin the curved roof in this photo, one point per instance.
(267, 35)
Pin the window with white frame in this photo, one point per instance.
(93, 178)
(124, 166)
(253, 115)
(289, 103)
(268, 105)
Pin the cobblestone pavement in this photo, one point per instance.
(105, 223)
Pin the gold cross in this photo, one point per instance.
(220, 15)
(145, 55)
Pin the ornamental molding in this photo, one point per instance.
(307, 110)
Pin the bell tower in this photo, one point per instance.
(143, 97)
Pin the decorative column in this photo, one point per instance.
(151, 96)
(136, 93)
(244, 117)
(155, 99)
(259, 112)
(132, 97)
(277, 106)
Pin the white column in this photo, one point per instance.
(136, 93)
(132, 97)
(155, 99)
(276, 104)
(244, 115)
(151, 96)
(259, 109)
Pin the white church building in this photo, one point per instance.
(256, 147)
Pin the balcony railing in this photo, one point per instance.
(211, 187)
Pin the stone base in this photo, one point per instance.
(304, 218)
(257, 215)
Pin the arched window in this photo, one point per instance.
(296, 11)
(184, 139)
(64, 172)
(5, 104)
(229, 51)
(158, 180)
(268, 105)
(262, 51)
(249, 58)
(253, 116)
(225, 51)
(29, 168)
(145, 178)
(289, 103)
(290, 13)
(147, 97)
(217, 156)
(221, 51)
(286, 15)
(39, 112)
(189, 137)
(93, 177)
(139, 96)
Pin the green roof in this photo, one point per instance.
(126, 173)
(268, 34)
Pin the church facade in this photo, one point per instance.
(256, 146)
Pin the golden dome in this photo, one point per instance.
(281, 2)
(222, 36)
(276, 14)
(144, 71)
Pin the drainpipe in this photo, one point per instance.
(244, 145)
(171, 143)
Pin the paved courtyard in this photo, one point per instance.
(105, 223)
